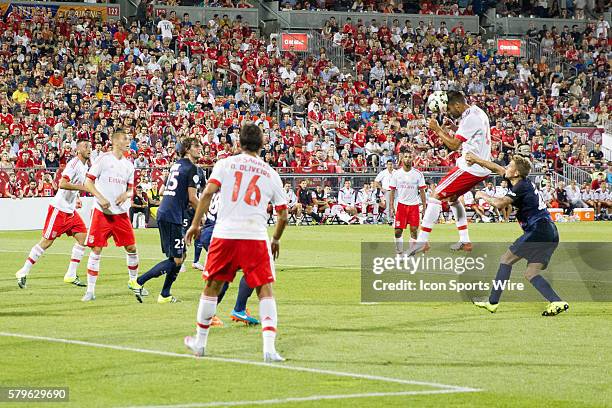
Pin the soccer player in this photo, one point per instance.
(111, 181)
(180, 190)
(367, 202)
(240, 312)
(409, 185)
(347, 198)
(293, 206)
(240, 240)
(473, 135)
(63, 219)
(540, 236)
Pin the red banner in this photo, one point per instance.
(594, 134)
(509, 47)
(294, 42)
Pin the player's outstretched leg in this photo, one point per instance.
(269, 319)
(460, 216)
(240, 312)
(556, 305)
(206, 310)
(132, 265)
(71, 277)
(35, 253)
(198, 246)
(432, 213)
(503, 275)
(171, 274)
(93, 268)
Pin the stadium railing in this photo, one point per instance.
(520, 25)
(204, 14)
(590, 144)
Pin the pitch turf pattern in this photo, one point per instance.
(515, 357)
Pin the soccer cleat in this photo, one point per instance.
(183, 268)
(273, 357)
(21, 280)
(89, 296)
(198, 266)
(244, 317)
(75, 281)
(136, 288)
(417, 247)
(485, 304)
(486, 219)
(190, 343)
(554, 308)
(216, 322)
(462, 246)
(169, 299)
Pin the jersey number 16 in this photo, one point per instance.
(252, 195)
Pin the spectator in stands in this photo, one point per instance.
(596, 155)
(5, 162)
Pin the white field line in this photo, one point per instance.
(297, 399)
(445, 387)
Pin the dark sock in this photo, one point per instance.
(222, 293)
(544, 288)
(156, 271)
(315, 216)
(503, 274)
(197, 250)
(244, 292)
(170, 278)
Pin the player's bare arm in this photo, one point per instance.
(201, 209)
(423, 199)
(278, 232)
(471, 159)
(497, 202)
(126, 195)
(90, 187)
(392, 200)
(193, 196)
(66, 185)
(449, 141)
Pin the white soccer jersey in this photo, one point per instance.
(468, 198)
(501, 192)
(475, 133)
(346, 196)
(384, 178)
(602, 195)
(587, 195)
(366, 197)
(166, 28)
(113, 177)
(407, 184)
(247, 185)
(75, 173)
(489, 191)
(291, 198)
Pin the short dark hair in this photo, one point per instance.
(82, 141)
(455, 97)
(251, 137)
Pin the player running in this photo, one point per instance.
(409, 185)
(240, 312)
(62, 218)
(111, 181)
(246, 185)
(180, 190)
(472, 136)
(540, 236)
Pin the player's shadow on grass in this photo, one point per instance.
(26, 313)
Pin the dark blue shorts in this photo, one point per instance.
(538, 244)
(206, 235)
(172, 239)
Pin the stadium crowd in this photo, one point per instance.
(64, 79)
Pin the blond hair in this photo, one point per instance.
(522, 164)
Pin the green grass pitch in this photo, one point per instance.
(430, 354)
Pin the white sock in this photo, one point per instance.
(399, 245)
(132, 264)
(344, 216)
(93, 268)
(267, 313)
(35, 253)
(75, 259)
(411, 243)
(432, 212)
(461, 221)
(206, 310)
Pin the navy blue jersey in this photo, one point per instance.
(530, 208)
(183, 174)
(213, 209)
(199, 186)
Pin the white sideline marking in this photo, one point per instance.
(444, 387)
(296, 399)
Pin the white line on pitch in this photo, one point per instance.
(246, 362)
(297, 399)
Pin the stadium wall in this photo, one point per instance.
(104, 11)
(30, 213)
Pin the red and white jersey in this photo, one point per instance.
(408, 184)
(366, 197)
(346, 196)
(113, 177)
(75, 173)
(475, 133)
(384, 177)
(247, 185)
